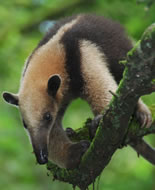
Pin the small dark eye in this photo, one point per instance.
(47, 116)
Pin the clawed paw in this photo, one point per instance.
(84, 146)
(143, 115)
(70, 132)
(75, 153)
(94, 125)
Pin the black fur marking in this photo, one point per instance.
(25, 126)
(27, 63)
(73, 66)
(52, 31)
(108, 35)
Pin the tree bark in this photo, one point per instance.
(116, 127)
(142, 148)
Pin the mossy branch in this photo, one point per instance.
(116, 127)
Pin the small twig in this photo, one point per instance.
(114, 94)
(144, 149)
(98, 181)
(147, 131)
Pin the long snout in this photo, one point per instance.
(39, 144)
(41, 155)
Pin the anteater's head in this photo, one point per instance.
(40, 96)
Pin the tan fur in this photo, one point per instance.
(48, 60)
(97, 77)
(58, 146)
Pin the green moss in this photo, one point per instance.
(149, 33)
(134, 127)
(123, 62)
(148, 40)
(152, 109)
(153, 82)
(132, 51)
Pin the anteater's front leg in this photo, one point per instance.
(62, 151)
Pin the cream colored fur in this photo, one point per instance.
(98, 80)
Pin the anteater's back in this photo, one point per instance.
(107, 34)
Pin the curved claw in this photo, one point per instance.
(94, 125)
(70, 132)
(143, 115)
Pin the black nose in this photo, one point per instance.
(42, 157)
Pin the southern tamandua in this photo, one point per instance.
(78, 57)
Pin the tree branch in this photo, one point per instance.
(144, 149)
(133, 138)
(113, 129)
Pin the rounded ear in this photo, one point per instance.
(10, 98)
(53, 85)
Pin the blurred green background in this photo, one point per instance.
(22, 24)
